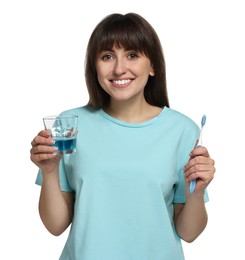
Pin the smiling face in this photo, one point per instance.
(123, 74)
(129, 38)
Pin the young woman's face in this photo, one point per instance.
(122, 73)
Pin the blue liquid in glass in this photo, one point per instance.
(66, 145)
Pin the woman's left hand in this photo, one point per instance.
(200, 167)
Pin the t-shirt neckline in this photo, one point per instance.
(133, 125)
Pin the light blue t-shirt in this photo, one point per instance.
(126, 178)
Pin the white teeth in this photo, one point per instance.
(121, 82)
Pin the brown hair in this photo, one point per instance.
(130, 31)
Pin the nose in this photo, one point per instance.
(120, 66)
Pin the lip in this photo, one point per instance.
(121, 83)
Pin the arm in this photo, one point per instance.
(55, 206)
(191, 218)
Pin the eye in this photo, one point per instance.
(133, 56)
(106, 57)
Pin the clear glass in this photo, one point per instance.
(63, 129)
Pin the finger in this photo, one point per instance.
(42, 152)
(44, 133)
(43, 149)
(199, 151)
(37, 158)
(198, 160)
(205, 176)
(198, 168)
(39, 139)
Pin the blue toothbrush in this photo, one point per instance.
(199, 143)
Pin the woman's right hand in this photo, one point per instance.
(42, 152)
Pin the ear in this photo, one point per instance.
(152, 72)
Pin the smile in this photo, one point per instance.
(121, 82)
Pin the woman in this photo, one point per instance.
(125, 191)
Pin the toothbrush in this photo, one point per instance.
(199, 144)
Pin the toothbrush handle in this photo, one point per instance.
(193, 182)
(192, 186)
(198, 144)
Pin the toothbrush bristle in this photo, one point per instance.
(203, 120)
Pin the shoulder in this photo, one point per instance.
(181, 120)
(80, 111)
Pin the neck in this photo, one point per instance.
(132, 112)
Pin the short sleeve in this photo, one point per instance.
(186, 145)
(64, 183)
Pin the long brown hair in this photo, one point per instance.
(133, 32)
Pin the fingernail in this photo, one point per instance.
(55, 149)
(52, 141)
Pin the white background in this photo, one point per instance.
(42, 49)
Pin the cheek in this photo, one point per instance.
(102, 71)
(101, 81)
(98, 67)
(99, 74)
